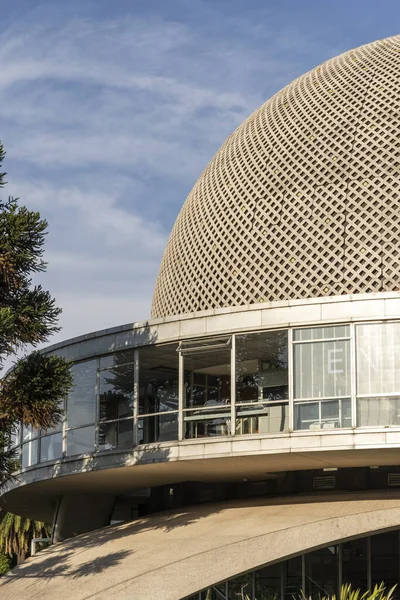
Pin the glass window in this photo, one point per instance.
(321, 333)
(322, 573)
(59, 425)
(118, 358)
(116, 434)
(378, 412)
(208, 377)
(15, 436)
(326, 414)
(29, 454)
(81, 403)
(158, 379)
(51, 447)
(355, 563)
(378, 358)
(385, 559)
(322, 369)
(241, 586)
(292, 578)
(262, 418)
(216, 592)
(28, 433)
(262, 367)
(116, 392)
(80, 441)
(158, 428)
(268, 582)
(215, 421)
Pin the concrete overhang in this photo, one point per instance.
(173, 554)
(37, 490)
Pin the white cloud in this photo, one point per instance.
(107, 123)
(103, 259)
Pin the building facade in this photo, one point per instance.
(246, 439)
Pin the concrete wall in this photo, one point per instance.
(173, 554)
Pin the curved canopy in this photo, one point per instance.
(171, 555)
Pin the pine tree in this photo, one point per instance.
(31, 391)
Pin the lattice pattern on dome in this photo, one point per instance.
(302, 200)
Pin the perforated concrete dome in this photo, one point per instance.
(302, 200)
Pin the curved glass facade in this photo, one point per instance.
(263, 382)
(363, 562)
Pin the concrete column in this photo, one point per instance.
(81, 513)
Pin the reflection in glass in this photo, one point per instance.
(378, 358)
(158, 428)
(241, 586)
(321, 333)
(385, 559)
(268, 582)
(292, 578)
(199, 427)
(59, 425)
(378, 412)
(216, 592)
(322, 572)
(158, 379)
(116, 434)
(355, 563)
(264, 418)
(208, 377)
(326, 414)
(15, 436)
(80, 441)
(123, 357)
(51, 447)
(322, 369)
(28, 433)
(262, 366)
(116, 392)
(29, 454)
(81, 403)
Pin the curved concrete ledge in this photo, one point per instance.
(37, 490)
(252, 317)
(174, 554)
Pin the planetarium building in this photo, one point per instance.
(245, 441)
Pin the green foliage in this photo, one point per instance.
(347, 593)
(17, 532)
(31, 392)
(28, 315)
(5, 563)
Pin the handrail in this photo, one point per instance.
(35, 541)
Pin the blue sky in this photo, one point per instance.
(109, 111)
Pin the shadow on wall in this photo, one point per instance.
(146, 335)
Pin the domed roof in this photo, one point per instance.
(302, 200)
